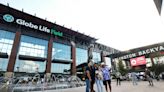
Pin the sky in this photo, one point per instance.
(120, 24)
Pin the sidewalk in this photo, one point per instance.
(126, 86)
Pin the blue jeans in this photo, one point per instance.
(87, 85)
(99, 84)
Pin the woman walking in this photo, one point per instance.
(134, 78)
(118, 75)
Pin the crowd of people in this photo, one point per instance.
(99, 74)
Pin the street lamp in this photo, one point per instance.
(18, 68)
(90, 53)
(37, 70)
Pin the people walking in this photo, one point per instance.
(99, 80)
(149, 77)
(118, 78)
(134, 78)
(106, 76)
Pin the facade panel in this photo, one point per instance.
(61, 51)
(81, 56)
(3, 64)
(31, 46)
(6, 42)
(60, 68)
(96, 57)
(29, 66)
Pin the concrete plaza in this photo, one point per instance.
(126, 86)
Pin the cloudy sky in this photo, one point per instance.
(121, 24)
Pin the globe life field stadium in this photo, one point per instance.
(30, 45)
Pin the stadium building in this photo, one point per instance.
(30, 45)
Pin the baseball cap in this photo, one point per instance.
(102, 63)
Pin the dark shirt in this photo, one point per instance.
(91, 71)
(147, 72)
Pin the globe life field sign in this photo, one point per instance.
(10, 18)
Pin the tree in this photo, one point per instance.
(157, 68)
(121, 68)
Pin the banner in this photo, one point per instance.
(138, 61)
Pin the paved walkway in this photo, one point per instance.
(126, 86)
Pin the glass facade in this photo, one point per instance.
(59, 68)
(3, 64)
(29, 66)
(61, 51)
(6, 43)
(81, 56)
(31, 46)
(96, 57)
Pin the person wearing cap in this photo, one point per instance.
(106, 76)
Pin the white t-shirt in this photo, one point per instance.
(99, 74)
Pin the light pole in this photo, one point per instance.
(90, 53)
(17, 68)
(37, 69)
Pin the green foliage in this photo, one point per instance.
(121, 68)
(157, 68)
